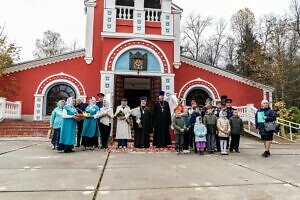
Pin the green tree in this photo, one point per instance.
(9, 52)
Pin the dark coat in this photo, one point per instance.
(161, 121)
(237, 126)
(142, 135)
(269, 113)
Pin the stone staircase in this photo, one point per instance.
(20, 128)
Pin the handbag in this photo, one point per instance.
(271, 126)
(50, 133)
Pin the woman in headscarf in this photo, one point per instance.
(68, 129)
(90, 133)
(56, 121)
(105, 114)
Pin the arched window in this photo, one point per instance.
(199, 95)
(56, 93)
(152, 4)
(125, 3)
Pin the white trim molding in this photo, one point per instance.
(39, 96)
(137, 36)
(89, 35)
(226, 74)
(44, 61)
(207, 86)
(118, 54)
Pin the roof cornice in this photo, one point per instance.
(44, 61)
(226, 74)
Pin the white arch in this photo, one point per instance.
(40, 101)
(61, 81)
(137, 46)
(200, 86)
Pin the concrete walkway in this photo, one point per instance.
(30, 170)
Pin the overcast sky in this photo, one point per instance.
(26, 20)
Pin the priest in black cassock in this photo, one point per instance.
(143, 124)
(161, 121)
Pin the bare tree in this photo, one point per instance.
(214, 45)
(192, 35)
(295, 9)
(51, 44)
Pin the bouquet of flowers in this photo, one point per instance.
(120, 115)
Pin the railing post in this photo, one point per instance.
(291, 135)
(2, 107)
(19, 111)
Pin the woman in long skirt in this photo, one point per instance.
(56, 121)
(68, 129)
(91, 133)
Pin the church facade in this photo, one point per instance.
(132, 49)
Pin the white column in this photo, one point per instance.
(110, 16)
(271, 99)
(2, 108)
(264, 94)
(107, 83)
(139, 17)
(177, 17)
(167, 83)
(90, 7)
(166, 18)
(38, 107)
(19, 110)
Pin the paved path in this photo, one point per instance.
(29, 170)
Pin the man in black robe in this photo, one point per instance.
(99, 103)
(162, 121)
(143, 125)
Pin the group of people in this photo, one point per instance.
(207, 129)
(93, 120)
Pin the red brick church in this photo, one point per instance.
(132, 49)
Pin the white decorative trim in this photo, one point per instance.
(167, 24)
(138, 36)
(40, 100)
(210, 92)
(109, 20)
(63, 80)
(107, 83)
(89, 35)
(177, 18)
(110, 4)
(226, 74)
(45, 61)
(166, 6)
(120, 53)
(137, 46)
(271, 99)
(139, 21)
(264, 94)
(141, 73)
(167, 83)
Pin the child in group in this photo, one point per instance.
(237, 129)
(186, 119)
(210, 121)
(224, 130)
(179, 128)
(200, 135)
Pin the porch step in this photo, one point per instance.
(20, 128)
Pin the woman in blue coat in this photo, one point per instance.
(56, 123)
(263, 115)
(68, 129)
(91, 132)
